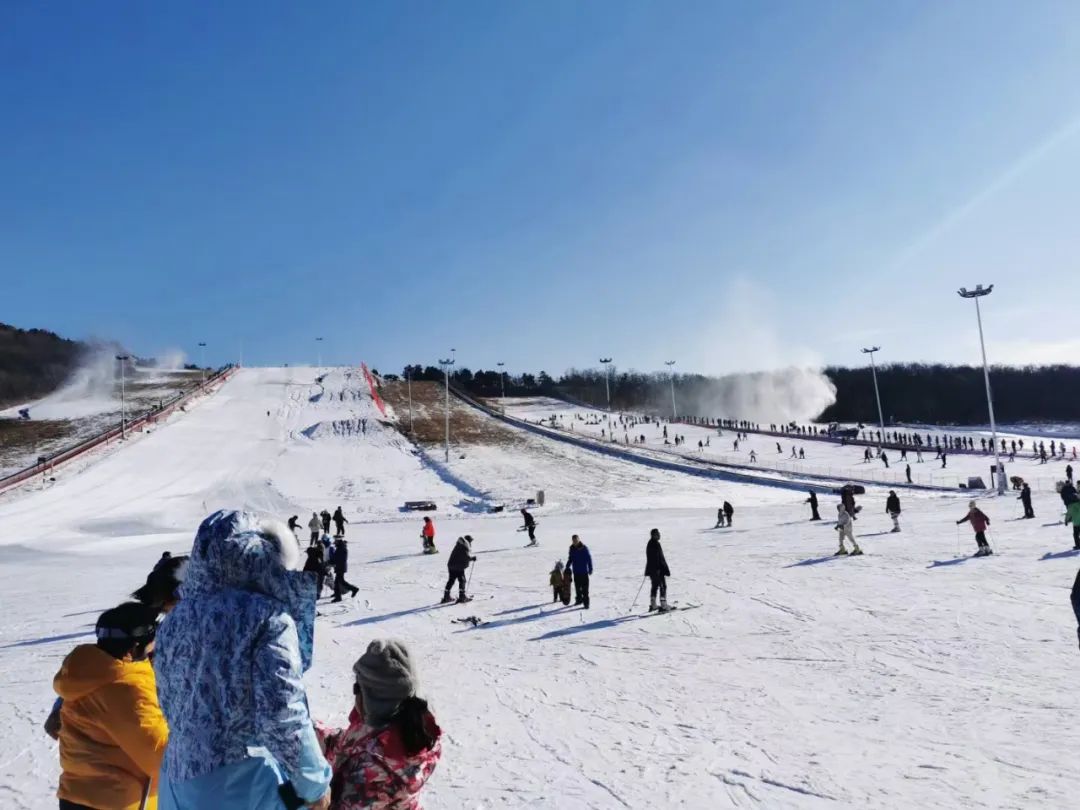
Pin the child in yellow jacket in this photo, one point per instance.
(112, 732)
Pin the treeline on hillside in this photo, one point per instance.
(915, 392)
(33, 362)
(912, 392)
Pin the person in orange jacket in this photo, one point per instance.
(112, 732)
(428, 536)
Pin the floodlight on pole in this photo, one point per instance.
(446, 364)
(606, 361)
(671, 364)
(977, 293)
(408, 381)
(318, 362)
(202, 359)
(123, 358)
(877, 395)
(502, 379)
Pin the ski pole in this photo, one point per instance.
(642, 585)
(472, 567)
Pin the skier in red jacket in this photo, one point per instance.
(979, 522)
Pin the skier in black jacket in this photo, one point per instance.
(892, 509)
(340, 559)
(1025, 499)
(316, 564)
(339, 522)
(530, 526)
(729, 510)
(656, 569)
(812, 500)
(459, 561)
(325, 521)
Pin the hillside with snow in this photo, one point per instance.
(914, 676)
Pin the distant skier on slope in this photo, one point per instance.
(427, 536)
(530, 526)
(339, 522)
(315, 525)
(979, 524)
(812, 500)
(656, 569)
(1025, 499)
(294, 524)
(892, 509)
(907, 472)
(460, 559)
(729, 510)
(846, 528)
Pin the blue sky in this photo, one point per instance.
(733, 185)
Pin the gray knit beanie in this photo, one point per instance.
(386, 676)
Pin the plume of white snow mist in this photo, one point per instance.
(170, 360)
(767, 375)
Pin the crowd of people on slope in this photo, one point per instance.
(192, 695)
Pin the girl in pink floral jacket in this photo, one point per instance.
(392, 744)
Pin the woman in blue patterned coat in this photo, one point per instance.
(229, 663)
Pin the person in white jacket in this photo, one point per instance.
(315, 525)
(846, 529)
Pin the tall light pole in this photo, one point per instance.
(606, 361)
(408, 379)
(670, 364)
(978, 293)
(502, 379)
(877, 396)
(446, 364)
(202, 359)
(318, 363)
(123, 358)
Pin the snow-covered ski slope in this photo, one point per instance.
(821, 458)
(910, 677)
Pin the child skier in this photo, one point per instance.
(979, 523)
(427, 535)
(459, 561)
(719, 518)
(556, 582)
(845, 526)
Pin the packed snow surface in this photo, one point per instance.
(913, 676)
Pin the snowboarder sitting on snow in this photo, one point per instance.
(556, 581)
(656, 569)
(459, 561)
(392, 744)
(530, 526)
(979, 523)
(112, 733)
(892, 509)
(846, 529)
(579, 563)
(427, 535)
